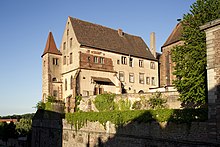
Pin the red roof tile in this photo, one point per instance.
(103, 38)
(51, 46)
(174, 36)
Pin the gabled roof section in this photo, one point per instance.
(103, 38)
(174, 36)
(51, 46)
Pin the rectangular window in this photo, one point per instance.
(101, 60)
(71, 41)
(131, 62)
(65, 84)
(121, 76)
(55, 93)
(131, 77)
(55, 61)
(141, 78)
(71, 58)
(141, 63)
(123, 60)
(118, 61)
(96, 60)
(64, 45)
(148, 80)
(152, 65)
(153, 81)
(67, 32)
(64, 60)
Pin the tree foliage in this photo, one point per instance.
(23, 127)
(190, 58)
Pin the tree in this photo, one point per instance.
(190, 58)
(23, 127)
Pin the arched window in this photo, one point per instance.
(71, 82)
(65, 84)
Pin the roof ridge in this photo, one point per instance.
(103, 26)
(174, 36)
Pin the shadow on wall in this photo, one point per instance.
(154, 134)
(47, 129)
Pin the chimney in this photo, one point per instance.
(120, 32)
(153, 44)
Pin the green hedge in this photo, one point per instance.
(119, 118)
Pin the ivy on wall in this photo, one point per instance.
(120, 118)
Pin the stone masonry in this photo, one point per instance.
(212, 30)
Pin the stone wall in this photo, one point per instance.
(86, 103)
(212, 30)
(136, 134)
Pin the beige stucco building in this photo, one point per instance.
(93, 59)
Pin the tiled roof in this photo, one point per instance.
(174, 36)
(51, 46)
(103, 38)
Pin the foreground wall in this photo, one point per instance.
(138, 135)
(212, 30)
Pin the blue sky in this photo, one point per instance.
(24, 27)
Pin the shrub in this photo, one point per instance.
(105, 102)
(124, 105)
(156, 101)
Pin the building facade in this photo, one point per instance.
(94, 59)
(166, 64)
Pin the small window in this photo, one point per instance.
(148, 80)
(118, 61)
(96, 60)
(89, 59)
(141, 78)
(121, 76)
(67, 32)
(65, 84)
(141, 63)
(101, 60)
(64, 60)
(55, 93)
(131, 77)
(152, 65)
(153, 81)
(123, 60)
(71, 58)
(55, 61)
(71, 42)
(54, 79)
(64, 45)
(131, 62)
(71, 82)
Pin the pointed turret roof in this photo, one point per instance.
(51, 46)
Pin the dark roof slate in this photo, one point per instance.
(103, 38)
(51, 46)
(175, 36)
